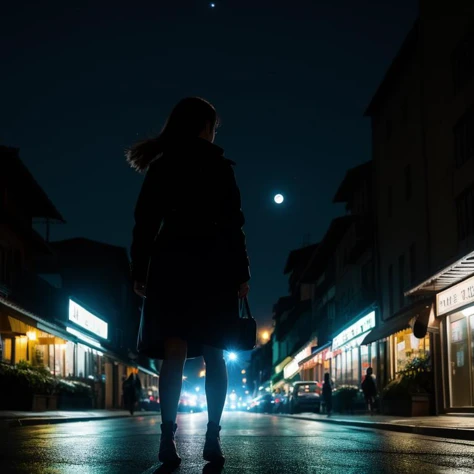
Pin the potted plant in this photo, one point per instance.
(27, 388)
(409, 394)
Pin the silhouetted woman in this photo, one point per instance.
(327, 394)
(189, 260)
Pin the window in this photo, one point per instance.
(389, 201)
(401, 280)
(408, 186)
(464, 138)
(463, 62)
(390, 290)
(465, 213)
(412, 263)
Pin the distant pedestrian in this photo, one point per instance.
(327, 394)
(189, 261)
(370, 390)
(132, 389)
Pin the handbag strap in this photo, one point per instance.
(245, 308)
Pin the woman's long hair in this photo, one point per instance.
(188, 119)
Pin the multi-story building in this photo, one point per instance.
(28, 305)
(293, 336)
(96, 276)
(79, 323)
(422, 135)
(331, 309)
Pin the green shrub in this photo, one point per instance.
(344, 397)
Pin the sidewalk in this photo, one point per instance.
(28, 418)
(455, 426)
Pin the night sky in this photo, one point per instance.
(83, 80)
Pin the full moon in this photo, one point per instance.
(278, 198)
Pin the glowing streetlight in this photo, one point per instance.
(265, 335)
(202, 373)
(243, 371)
(232, 356)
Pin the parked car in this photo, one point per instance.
(306, 396)
(262, 404)
(149, 404)
(281, 403)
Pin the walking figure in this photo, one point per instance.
(189, 261)
(132, 389)
(327, 394)
(370, 390)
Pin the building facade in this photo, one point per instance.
(62, 324)
(422, 136)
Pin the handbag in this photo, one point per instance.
(242, 333)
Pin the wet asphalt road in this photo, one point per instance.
(257, 444)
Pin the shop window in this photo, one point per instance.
(7, 350)
(465, 213)
(408, 347)
(354, 380)
(459, 361)
(373, 357)
(464, 138)
(21, 349)
(364, 358)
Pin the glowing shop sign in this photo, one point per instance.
(455, 297)
(291, 369)
(87, 320)
(360, 327)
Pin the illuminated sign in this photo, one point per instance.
(85, 319)
(291, 369)
(360, 327)
(84, 338)
(455, 297)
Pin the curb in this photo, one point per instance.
(438, 432)
(19, 422)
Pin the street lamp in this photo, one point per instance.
(232, 356)
(265, 336)
(202, 374)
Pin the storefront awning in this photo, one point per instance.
(457, 271)
(315, 353)
(407, 318)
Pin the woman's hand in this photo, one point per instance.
(244, 290)
(139, 289)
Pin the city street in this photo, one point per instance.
(253, 444)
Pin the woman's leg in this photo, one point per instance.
(171, 378)
(216, 382)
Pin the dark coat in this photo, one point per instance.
(368, 386)
(189, 247)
